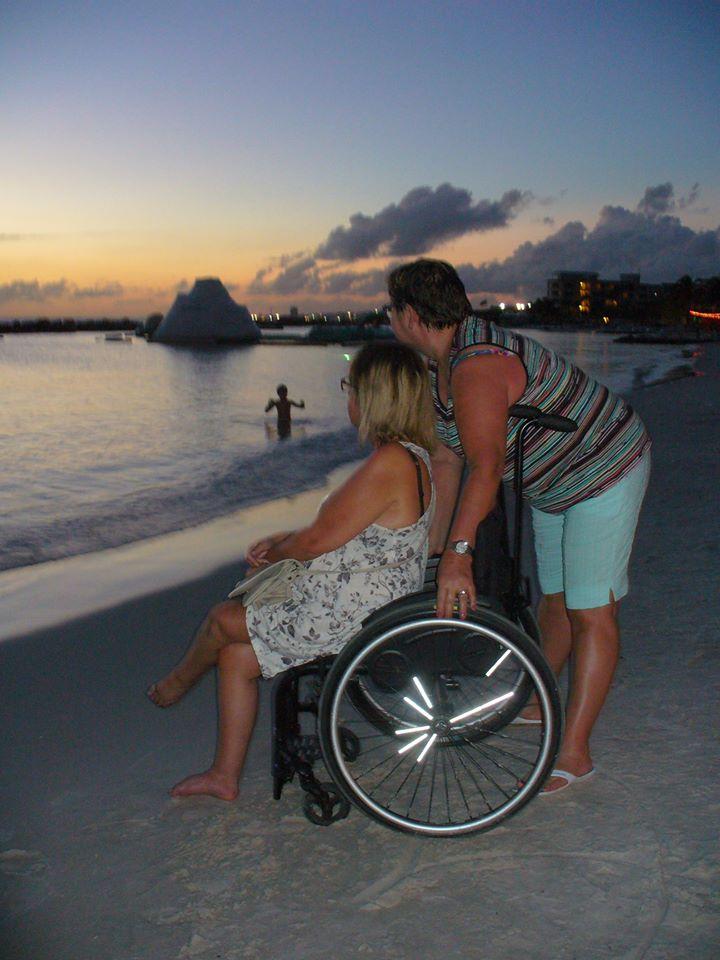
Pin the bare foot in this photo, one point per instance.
(211, 784)
(167, 691)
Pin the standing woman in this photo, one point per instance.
(585, 488)
(367, 546)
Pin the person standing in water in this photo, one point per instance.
(283, 405)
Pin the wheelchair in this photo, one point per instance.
(417, 719)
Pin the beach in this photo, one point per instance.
(97, 862)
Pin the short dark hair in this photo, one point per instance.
(433, 289)
(281, 388)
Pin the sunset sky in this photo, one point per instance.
(297, 150)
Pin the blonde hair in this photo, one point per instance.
(392, 389)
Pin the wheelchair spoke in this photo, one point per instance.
(447, 792)
(388, 775)
(432, 785)
(470, 773)
(482, 769)
(422, 770)
(486, 752)
(505, 753)
(451, 754)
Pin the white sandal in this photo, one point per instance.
(569, 778)
(525, 721)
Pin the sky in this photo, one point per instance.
(298, 151)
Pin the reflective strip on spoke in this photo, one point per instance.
(431, 741)
(413, 743)
(479, 709)
(406, 730)
(419, 709)
(497, 663)
(421, 689)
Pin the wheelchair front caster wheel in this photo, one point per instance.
(328, 808)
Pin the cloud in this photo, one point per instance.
(647, 240)
(112, 289)
(31, 290)
(369, 283)
(297, 275)
(690, 199)
(657, 200)
(661, 199)
(420, 221)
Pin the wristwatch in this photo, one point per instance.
(461, 547)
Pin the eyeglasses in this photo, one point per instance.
(346, 385)
(388, 309)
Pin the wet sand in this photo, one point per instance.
(96, 861)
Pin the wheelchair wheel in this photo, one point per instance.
(442, 647)
(429, 702)
(327, 807)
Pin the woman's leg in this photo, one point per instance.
(597, 541)
(556, 635)
(225, 624)
(595, 651)
(552, 615)
(238, 671)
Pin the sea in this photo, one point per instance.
(109, 442)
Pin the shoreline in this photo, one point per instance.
(79, 585)
(74, 587)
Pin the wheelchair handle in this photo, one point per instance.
(550, 421)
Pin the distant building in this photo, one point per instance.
(584, 296)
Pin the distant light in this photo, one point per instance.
(502, 306)
(519, 306)
(277, 316)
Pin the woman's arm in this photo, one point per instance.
(483, 389)
(361, 500)
(256, 553)
(447, 473)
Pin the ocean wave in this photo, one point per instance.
(288, 468)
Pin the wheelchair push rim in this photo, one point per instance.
(440, 758)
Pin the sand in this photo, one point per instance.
(97, 862)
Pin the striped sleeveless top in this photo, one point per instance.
(560, 469)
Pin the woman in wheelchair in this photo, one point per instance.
(366, 546)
